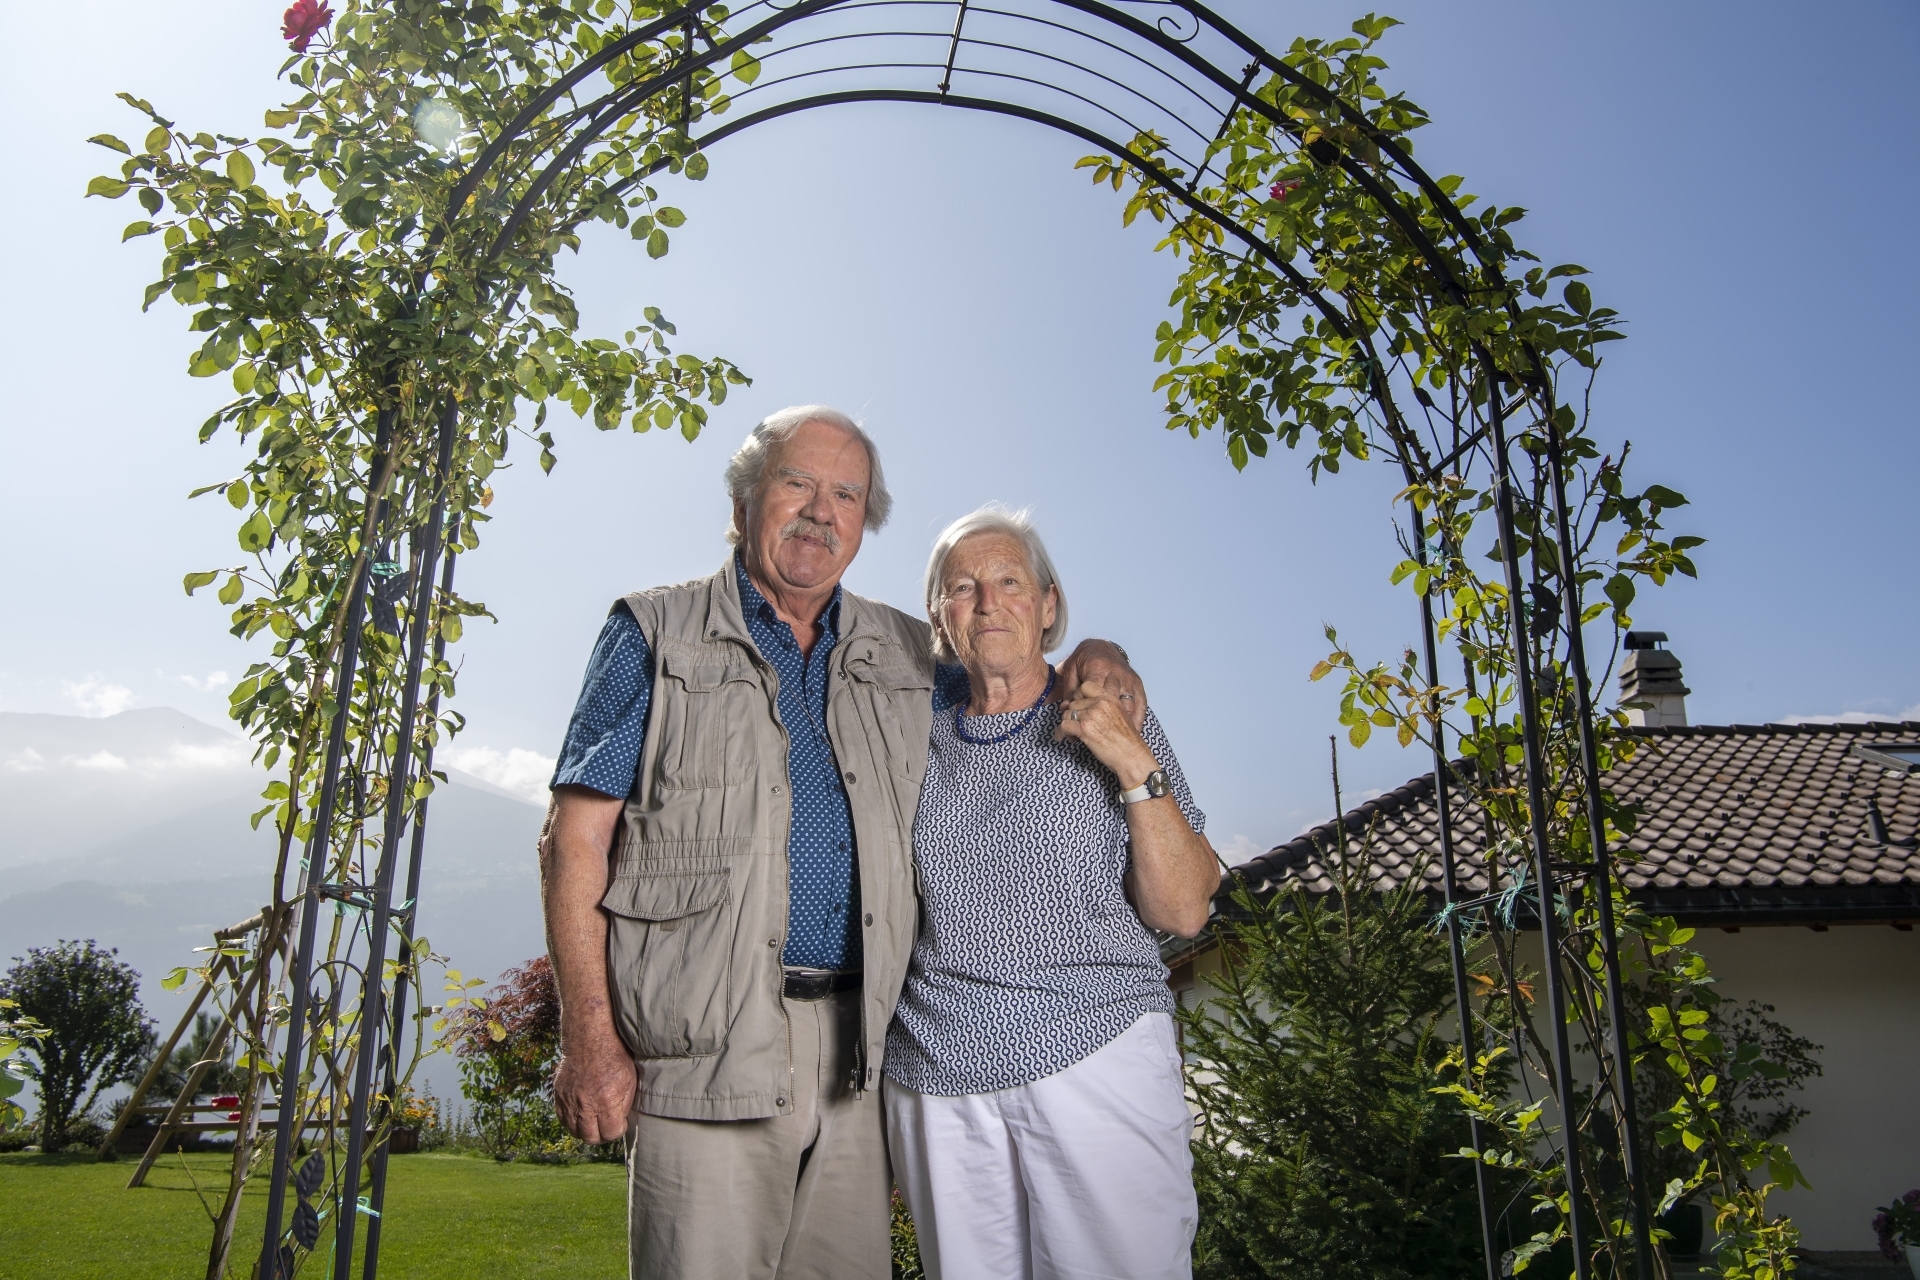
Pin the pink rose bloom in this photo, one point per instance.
(303, 20)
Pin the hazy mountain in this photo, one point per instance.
(68, 783)
(132, 830)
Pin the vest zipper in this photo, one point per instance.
(780, 961)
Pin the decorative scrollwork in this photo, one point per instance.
(1169, 24)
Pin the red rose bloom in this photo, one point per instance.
(1281, 190)
(303, 20)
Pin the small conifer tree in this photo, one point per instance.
(1322, 1148)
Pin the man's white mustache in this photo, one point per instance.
(813, 529)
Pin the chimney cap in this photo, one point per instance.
(1645, 639)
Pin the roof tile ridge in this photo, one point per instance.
(1355, 819)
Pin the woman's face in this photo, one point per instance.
(992, 608)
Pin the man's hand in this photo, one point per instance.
(1105, 662)
(593, 1087)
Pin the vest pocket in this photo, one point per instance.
(694, 717)
(902, 701)
(670, 960)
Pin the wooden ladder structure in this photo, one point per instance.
(179, 1115)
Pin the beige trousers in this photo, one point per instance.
(803, 1196)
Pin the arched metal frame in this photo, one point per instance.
(1081, 68)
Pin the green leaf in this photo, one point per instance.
(746, 67)
(111, 188)
(234, 588)
(136, 229)
(237, 495)
(240, 169)
(194, 581)
(1579, 298)
(173, 981)
(110, 142)
(1620, 590)
(281, 119)
(1401, 570)
(256, 532)
(657, 244)
(696, 167)
(451, 629)
(1660, 495)
(670, 217)
(151, 200)
(159, 142)
(1359, 734)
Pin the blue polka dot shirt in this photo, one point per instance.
(609, 727)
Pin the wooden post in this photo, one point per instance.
(109, 1148)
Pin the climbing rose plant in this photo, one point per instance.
(352, 294)
(1351, 307)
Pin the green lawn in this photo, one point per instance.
(451, 1217)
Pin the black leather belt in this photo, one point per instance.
(818, 984)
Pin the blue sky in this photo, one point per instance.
(1740, 179)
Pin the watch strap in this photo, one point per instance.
(1155, 785)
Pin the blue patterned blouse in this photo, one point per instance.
(1030, 957)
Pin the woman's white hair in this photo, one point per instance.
(747, 469)
(994, 518)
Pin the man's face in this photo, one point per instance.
(804, 526)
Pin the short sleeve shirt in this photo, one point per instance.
(1030, 958)
(609, 727)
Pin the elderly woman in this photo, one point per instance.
(1036, 1114)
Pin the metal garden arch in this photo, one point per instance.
(1106, 72)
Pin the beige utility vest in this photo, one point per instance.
(698, 901)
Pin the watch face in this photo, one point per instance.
(1157, 784)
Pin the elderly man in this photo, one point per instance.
(728, 878)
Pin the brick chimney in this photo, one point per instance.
(1651, 675)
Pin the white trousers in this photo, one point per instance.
(1084, 1175)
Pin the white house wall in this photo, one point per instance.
(1856, 991)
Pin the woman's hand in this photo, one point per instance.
(1097, 716)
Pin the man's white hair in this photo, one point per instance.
(747, 470)
(994, 518)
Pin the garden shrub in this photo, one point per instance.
(508, 1046)
(91, 1029)
(1323, 1148)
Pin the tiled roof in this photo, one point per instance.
(1768, 822)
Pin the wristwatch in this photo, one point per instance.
(1154, 787)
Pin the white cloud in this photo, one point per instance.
(96, 697)
(27, 761)
(1854, 717)
(212, 755)
(1239, 849)
(523, 772)
(214, 680)
(100, 761)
